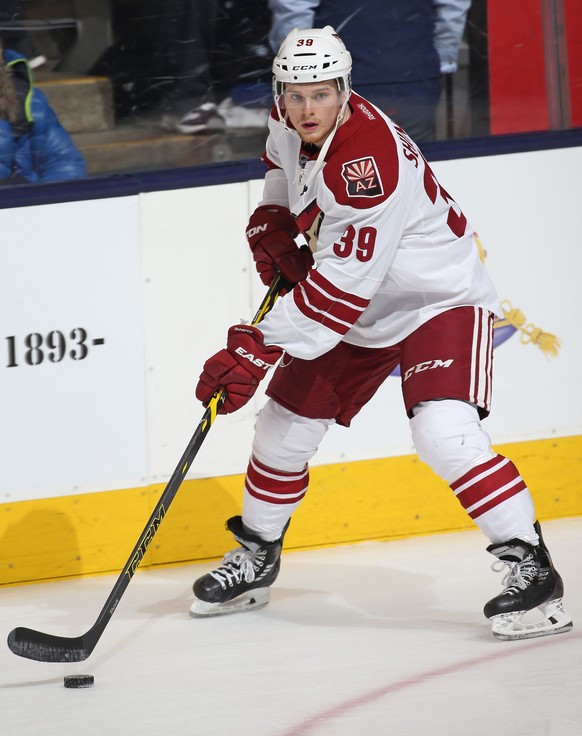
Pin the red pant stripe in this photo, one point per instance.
(275, 486)
(488, 485)
(478, 473)
(275, 480)
(481, 350)
(521, 486)
(276, 500)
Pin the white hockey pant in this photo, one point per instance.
(448, 437)
(278, 476)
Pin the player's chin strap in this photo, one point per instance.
(320, 160)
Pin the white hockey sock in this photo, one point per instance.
(278, 475)
(497, 499)
(270, 497)
(449, 437)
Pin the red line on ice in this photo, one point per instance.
(310, 725)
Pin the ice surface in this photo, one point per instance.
(374, 639)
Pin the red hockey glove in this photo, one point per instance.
(238, 368)
(271, 234)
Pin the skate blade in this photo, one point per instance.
(511, 626)
(250, 601)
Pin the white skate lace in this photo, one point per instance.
(518, 576)
(237, 565)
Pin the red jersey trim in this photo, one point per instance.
(319, 300)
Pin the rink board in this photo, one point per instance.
(104, 329)
(374, 499)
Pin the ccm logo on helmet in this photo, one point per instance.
(251, 358)
(305, 68)
(427, 365)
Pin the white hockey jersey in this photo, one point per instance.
(392, 249)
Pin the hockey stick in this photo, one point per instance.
(49, 648)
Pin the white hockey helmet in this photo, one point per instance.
(312, 55)
(308, 56)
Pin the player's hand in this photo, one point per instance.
(238, 369)
(271, 234)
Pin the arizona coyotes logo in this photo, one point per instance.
(362, 178)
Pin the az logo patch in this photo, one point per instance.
(362, 178)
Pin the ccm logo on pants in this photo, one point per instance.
(427, 365)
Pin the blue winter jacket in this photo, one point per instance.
(39, 150)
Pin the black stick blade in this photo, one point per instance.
(48, 648)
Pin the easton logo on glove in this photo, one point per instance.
(256, 230)
(269, 218)
(238, 369)
(271, 233)
(255, 361)
(253, 337)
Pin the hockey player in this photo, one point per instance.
(391, 277)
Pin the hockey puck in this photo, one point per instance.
(79, 681)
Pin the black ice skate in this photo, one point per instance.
(242, 581)
(531, 582)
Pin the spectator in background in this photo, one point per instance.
(400, 49)
(34, 146)
(13, 34)
(215, 63)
